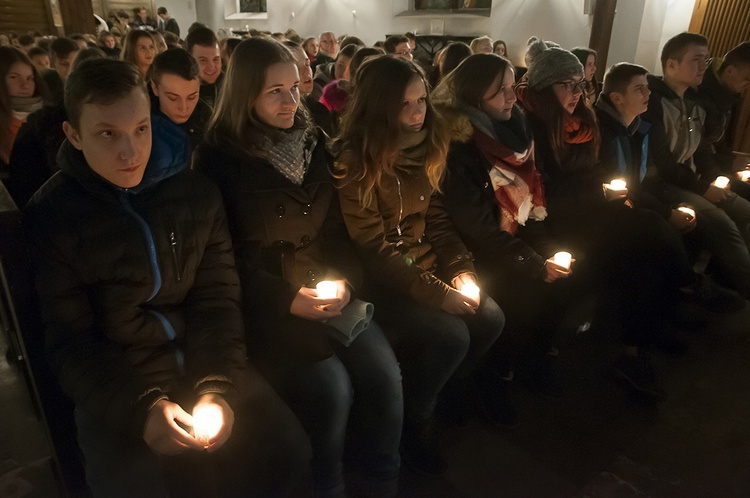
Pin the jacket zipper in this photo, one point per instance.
(152, 256)
(154, 260)
(400, 208)
(173, 245)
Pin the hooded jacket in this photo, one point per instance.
(716, 152)
(676, 131)
(624, 152)
(469, 198)
(406, 238)
(138, 290)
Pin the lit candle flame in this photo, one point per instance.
(744, 175)
(207, 422)
(618, 185)
(562, 259)
(721, 182)
(687, 211)
(470, 290)
(326, 289)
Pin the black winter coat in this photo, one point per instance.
(285, 236)
(33, 159)
(138, 288)
(470, 200)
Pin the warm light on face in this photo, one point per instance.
(207, 422)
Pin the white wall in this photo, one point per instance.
(182, 10)
(641, 26)
(512, 20)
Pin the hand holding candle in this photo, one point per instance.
(207, 422)
(326, 289)
(563, 259)
(467, 286)
(616, 189)
(688, 211)
(558, 266)
(470, 290)
(213, 420)
(744, 175)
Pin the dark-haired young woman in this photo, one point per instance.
(495, 196)
(273, 169)
(591, 88)
(22, 91)
(636, 259)
(390, 160)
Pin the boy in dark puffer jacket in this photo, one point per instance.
(140, 300)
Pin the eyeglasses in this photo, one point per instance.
(572, 86)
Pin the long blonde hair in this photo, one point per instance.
(234, 119)
(368, 143)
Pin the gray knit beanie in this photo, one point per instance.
(548, 63)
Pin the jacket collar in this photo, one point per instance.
(638, 124)
(170, 154)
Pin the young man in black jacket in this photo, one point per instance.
(175, 90)
(720, 94)
(678, 125)
(140, 300)
(624, 152)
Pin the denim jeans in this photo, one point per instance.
(264, 456)
(727, 234)
(357, 390)
(432, 346)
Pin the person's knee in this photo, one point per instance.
(451, 337)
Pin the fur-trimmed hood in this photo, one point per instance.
(456, 119)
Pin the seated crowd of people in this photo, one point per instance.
(312, 255)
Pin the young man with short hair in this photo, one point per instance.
(175, 85)
(140, 301)
(677, 127)
(203, 45)
(63, 51)
(624, 153)
(720, 94)
(40, 58)
(168, 24)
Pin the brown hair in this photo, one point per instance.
(8, 57)
(368, 142)
(676, 46)
(470, 80)
(234, 118)
(543, 104)
(99, 81)
(130, 46)
(618, 77)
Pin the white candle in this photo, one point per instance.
(470, 290)
(744, 175)
(326, 289)
(207, 422)
(687, 211)
(562, 259)
(721, 182)
(618, 185)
